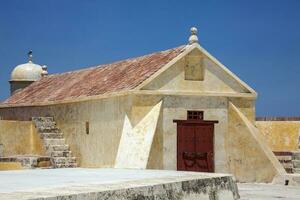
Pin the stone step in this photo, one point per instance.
(48, 130)
(296, 171)
(42, 119)
(64, 160)
(287, 165)
(61, 153)
(61, 159)
(289, 170)
(51, 135)
(296, 163)
(52, 141)
(284, 158)
(45, 127)
(66, 165)
(296, 155)
(52, 148)
(46, 124)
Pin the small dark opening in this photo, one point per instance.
(286, 182)
(87, 128)
(1, 150)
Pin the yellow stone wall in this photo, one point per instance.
(236, 150)
(141, 105)
(19, 138)
(106, 117)
(280, 135)
(215, 79)
(176, 107)
(164, 148)
(246, 106)
(249, 157)
(10, 166)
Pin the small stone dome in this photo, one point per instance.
(27, 72)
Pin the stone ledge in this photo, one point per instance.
(146, 185)
(277, 118)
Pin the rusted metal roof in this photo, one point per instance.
(99, 80)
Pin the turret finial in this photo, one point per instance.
(193, 38)
(30, 56)
(44, 72)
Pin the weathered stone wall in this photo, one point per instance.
(176, 108)
(19, 138)
(136, 141)
(280, 135)
(106, 119)
(215, 79)
(164, 148)
(249, 157)
(16, 86)
(4, 166)
(246, 106)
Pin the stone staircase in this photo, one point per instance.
(54, 143)
(289, 160)
(296, 162)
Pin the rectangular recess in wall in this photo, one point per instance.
(194, 68)
(87, 128)
(1, 150)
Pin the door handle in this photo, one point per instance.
(189, 155)
(201, 155)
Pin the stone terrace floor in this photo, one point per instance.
(26, 180)
(86, 183)
(268, 192)
(22, 180)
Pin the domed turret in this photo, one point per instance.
(25, 74)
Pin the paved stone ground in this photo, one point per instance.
(268, 192)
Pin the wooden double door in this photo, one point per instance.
(195, 145)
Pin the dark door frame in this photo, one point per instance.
(197, 122)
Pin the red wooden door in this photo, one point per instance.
(195, 146)
(204, 146)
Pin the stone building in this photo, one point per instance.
(178, 109)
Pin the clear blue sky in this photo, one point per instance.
(257, 40)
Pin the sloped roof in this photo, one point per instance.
(102, 79)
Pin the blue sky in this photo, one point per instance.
(257, 40)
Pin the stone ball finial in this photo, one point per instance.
(44, 72)
(193, 38)
(194, 30)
